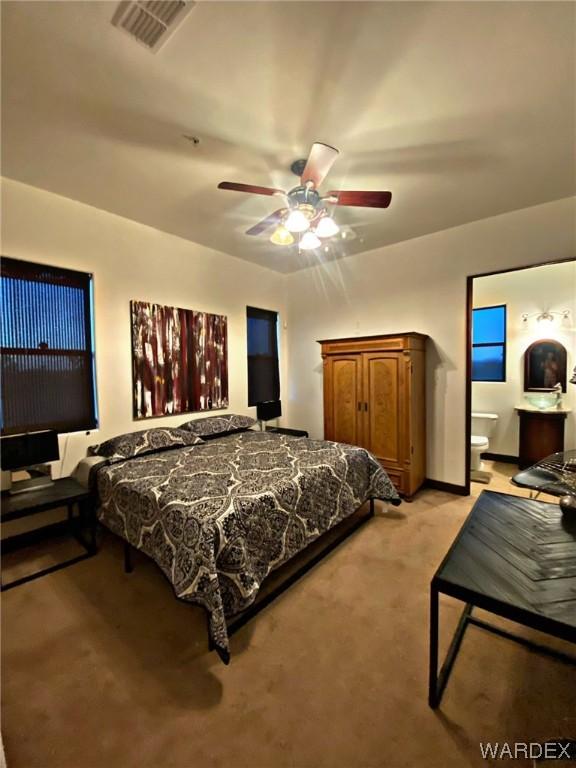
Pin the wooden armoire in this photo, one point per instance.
(374, 396)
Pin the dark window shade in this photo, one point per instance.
(263, 369)
(46, 343)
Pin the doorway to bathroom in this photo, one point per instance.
(521, 354)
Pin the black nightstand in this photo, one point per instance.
(286, 431)
(62, 493)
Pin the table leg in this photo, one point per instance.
(89, 521)
(437, 682)
(433, 700)
(93, 527)
(128, 567)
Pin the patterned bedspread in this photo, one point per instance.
(219, 517)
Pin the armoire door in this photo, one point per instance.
(343, 398)
(383, 410)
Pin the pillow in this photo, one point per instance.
(216, 426)
(147, 441)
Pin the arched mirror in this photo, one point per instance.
(544, 366)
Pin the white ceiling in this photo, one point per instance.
(464, 110)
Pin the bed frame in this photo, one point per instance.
(238, 621)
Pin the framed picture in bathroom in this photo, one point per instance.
(544, 366)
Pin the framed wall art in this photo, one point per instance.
(179, 360)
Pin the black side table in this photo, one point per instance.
(286, 431)
(62, 493)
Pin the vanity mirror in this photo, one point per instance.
(544, 366)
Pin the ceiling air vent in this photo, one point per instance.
(151, 22)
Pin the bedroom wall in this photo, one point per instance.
(132, 261)
(552, 287)
(416, 285)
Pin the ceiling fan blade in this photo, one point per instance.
(270, 221)
(250, 188)
(362, 199)
(320, 160)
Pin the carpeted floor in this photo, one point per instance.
(101, 669)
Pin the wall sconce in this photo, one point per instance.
(546, 317)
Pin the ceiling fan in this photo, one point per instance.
(305, 213)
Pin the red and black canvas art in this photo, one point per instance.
(179, 360)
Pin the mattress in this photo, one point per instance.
(218, 517)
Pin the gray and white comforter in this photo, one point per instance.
(220, 516)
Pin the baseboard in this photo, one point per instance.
(440, 485)
(503, 457)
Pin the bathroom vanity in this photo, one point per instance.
(541, 433)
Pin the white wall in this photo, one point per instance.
(551, 287)
(132, 261)
(416, 285)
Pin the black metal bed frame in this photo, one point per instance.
(253, 610)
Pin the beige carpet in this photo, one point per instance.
(102, 669)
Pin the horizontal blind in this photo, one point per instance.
(263, 368)
(47, 362)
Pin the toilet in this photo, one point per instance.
(483, 426)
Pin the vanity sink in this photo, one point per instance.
(543, 400)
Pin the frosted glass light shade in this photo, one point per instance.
(282, 236)
(297, 221)
(309, 241)
(545, 318)
(327, 227)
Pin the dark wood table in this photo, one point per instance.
(513, 557)
(65, 492)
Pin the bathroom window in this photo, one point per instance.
(489, 343)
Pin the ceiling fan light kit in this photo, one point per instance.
(282, 236)
(297, 221)
(326, 227)
(306, 212)
(309, 241)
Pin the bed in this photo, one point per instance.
(220, 514)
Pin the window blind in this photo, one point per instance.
(47, 363)
(263, 368)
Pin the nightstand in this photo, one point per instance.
(65, 492)
(286, 431)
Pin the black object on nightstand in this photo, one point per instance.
(286, 431)
(65, 492)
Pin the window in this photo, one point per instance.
(46, 344)
(489, 344)
(263, 370)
